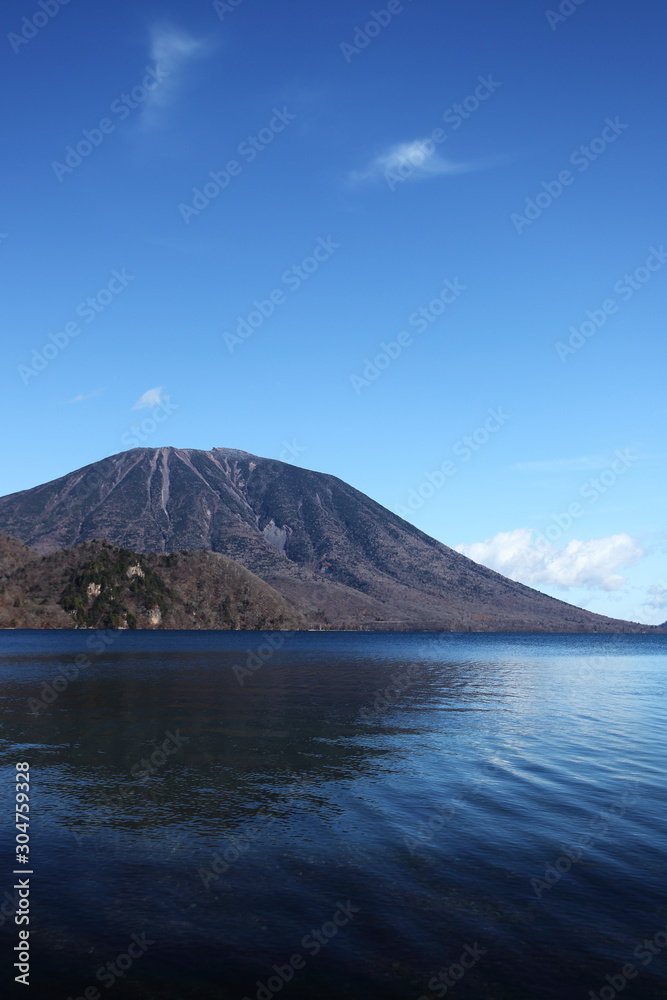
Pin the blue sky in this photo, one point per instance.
(218, 217)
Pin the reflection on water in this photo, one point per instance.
(498, 799)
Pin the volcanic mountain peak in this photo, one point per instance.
(326, 547)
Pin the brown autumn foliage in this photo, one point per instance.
(99, 585)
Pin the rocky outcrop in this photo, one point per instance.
(97, 585)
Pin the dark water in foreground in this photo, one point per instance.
(287, 796)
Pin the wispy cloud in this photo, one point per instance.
(414, 160)
(657, 599)
(151, 398)
(583, 463)
(592, 564)
(88, 395)
(172, 49)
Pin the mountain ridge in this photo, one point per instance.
(324, 546)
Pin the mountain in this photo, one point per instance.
(98, 585)
(332, 552)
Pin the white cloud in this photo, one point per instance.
(658, 598)
(151, 398)
(409, 161)
(593, 564)
(583, 463)
(88, 395)
(171, 49)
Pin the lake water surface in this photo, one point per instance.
(493, 804)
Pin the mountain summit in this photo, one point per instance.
(334, 553)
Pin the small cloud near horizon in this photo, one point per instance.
(151, 398)
(88, 395)
(657, 599)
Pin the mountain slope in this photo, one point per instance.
(97, 585)
(326, 547)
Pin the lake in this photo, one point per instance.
(348, 815)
